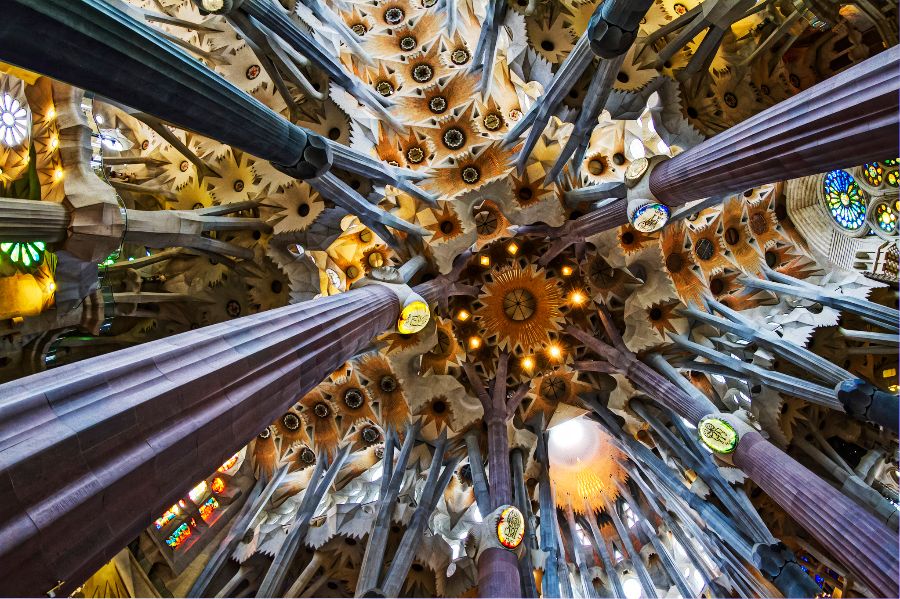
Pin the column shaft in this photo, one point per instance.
(498, 569)
(29, 220)
(91, 452)
(846, 120)
(851, 534)
(93, 40)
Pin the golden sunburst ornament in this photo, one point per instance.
(521, 308)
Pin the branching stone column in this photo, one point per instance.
(663, 553)
(848, 119)
(93, 39)
(855, 537)
(498, 569)
(550, 579)
(273, 581)
(612, 577)
(636, 562)
(852, 535)
(523, 502)
(580, 563)
(90, 452)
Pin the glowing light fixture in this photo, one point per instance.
(462, 315)
(512, 248)
(474, 342)
(577, 298)
(555, 351)
(567, 271)
(485, 261)
(527, 363)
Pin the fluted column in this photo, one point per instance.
(29, 220)
(846, 120)
(498, 569)
(90, 452)
(96, 47)
(855, 537)
(852, 535)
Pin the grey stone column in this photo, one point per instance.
(91, 452)
(28, 220)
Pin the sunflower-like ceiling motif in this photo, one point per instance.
(520, 308)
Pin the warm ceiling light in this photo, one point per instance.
(512, 248)
(51, 112)
(527, 363)
(577, 298)
(567, 271)
(54, 143)
(462, 316)
(474, 342)
(555, 352)
(485, 261)
(58, 174)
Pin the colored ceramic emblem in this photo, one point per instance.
(413, 317)
(647, 215)
(511, 527)
(717, 434)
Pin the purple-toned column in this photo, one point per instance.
(91, 452)
(844, 121)
(855, 537)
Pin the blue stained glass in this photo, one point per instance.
(844, 200)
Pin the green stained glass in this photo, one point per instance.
(892, 178)
(891, 161)
(873, 174)
(25, 254)
(844, 200)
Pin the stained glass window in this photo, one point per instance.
(885, 218)
(891, 161)
(167, 517)
(208, 507)
(229, 464)
(844, 200)
(179, 536)
(24, 253)
(218, 485)
(892, 178)
(197, 493)
(873, 174)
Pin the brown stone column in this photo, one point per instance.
(498, 569)
(852, 535)
(91, 452)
